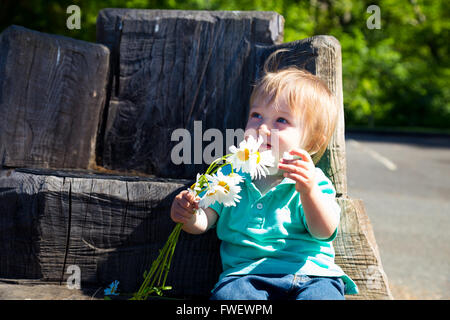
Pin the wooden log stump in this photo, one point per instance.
(171, 68)
(113, 226)
(52, 94)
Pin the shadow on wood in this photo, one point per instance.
(110, 226)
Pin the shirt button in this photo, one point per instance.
(259, 206)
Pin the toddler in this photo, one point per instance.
(277, 241)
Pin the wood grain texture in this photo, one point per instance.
(171, 68)
(320, 55)
(357, 252)
(110, 226)
(113, 226)
(52, 94)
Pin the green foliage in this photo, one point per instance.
(394, 76)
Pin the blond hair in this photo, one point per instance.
(307, 96)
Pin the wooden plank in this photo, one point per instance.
(357, 252)
(23, 289)
(52, 94)
(171, 68)
(110, 226)
(320, 55)
(113, 226)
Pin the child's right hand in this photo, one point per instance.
(183, 207)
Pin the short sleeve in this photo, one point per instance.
(324, 183)
(218, 207)
(328, 190)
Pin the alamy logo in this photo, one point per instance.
(74, 280)
(374, 21)
(183, 151)
(74, 20)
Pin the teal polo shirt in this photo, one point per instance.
(268, 234)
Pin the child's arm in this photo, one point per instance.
(182, 211)
(321, 217)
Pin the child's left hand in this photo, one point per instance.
(302, 171)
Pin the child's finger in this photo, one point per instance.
(177, 217)
(183, 202)
(295, 162)
(190, 197)
(301, 153)
(301, 170)
(296, 177)
(183, 211)
(187, 195)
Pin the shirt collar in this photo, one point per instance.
(248, 179)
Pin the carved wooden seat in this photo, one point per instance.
(109, 214)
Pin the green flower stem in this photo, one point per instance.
(214, 163)
(166, 256)
(160, 267)
(171, 256)
(155, 278)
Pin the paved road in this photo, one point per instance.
(404, 182)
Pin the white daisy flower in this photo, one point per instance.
(223, 189)
(235, 177)
(248, 159)
(197, 185)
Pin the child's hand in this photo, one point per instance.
(302, 171)
(183, 207)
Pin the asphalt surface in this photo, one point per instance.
(404, 181)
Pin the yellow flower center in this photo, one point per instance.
(243, 155)
(225, 186)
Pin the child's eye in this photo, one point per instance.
(282, 120)
(255, 115)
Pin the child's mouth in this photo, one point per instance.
(266, 146)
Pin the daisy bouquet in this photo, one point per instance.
(211, 186)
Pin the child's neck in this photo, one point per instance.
(265, 184)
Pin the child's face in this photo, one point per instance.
(280, 129)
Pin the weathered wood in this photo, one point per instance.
(320, 55)
(24, 289)
(357, 252)
(110, 226)
(171, 68)
(113, 226)
(52, 93)
(202, 64)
